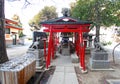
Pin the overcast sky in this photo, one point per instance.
(25, 14)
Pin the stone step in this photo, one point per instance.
(66, 51)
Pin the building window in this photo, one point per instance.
(7, 30)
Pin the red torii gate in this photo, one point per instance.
(66, 24)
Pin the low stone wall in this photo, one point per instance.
(18, 70)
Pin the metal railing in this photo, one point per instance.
(115, 51)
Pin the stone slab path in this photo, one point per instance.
(65, 72)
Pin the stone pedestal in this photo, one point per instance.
(39, 55)
(99, 60)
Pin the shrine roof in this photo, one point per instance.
(65, 20)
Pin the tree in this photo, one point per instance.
(101, 12)
(17, 19)
(47, 13)
(3, 53)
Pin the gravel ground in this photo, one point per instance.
(98, 77)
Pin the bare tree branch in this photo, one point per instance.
(12, 0)
(26, 4)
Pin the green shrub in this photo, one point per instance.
(106, 43)
(30, 39)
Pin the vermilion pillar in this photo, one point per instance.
(55, 42)
(82, 52)
(75, 42)
(53, 45)
(49, 49)
(74, 37)
(78, 44)
(80, 49)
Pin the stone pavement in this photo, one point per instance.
(14, 51)
(64, 75)
(65, 72)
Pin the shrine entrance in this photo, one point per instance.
(66, 25)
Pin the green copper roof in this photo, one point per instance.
(65, 20)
